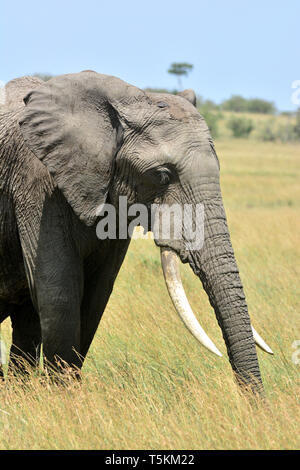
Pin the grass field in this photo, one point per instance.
(147, 383)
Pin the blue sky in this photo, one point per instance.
(242, 47)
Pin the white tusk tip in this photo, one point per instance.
(260, 342)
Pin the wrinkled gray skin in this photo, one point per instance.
(82, 140)
(16, 89)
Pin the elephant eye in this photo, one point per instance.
(159, 176)
(165, 176)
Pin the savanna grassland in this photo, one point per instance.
(148, 384)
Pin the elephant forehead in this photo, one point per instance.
(178, 107)
(178, 113)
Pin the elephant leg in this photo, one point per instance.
(99, 281)
(26, 339)
(54, 273)
(59, 310)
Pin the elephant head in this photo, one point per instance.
(102, 138)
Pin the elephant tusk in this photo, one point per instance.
(170, 267)
(260, 342)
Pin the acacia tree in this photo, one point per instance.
(179, 69)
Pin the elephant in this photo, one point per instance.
(15, 90)
(72, 145)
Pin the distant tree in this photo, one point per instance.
(210, 111)
(179, 69)
(43, 76)
(287, 132)
(240, 127)
(239, 104)
(235, 103)
(283, 131)
(210, 104)
(207, 104)
(297, 125)
(267, 131)
(211, 119)
(257, 105)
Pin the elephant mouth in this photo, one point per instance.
(170, 267)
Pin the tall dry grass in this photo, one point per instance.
(147, 384)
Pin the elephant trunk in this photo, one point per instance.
(216, 267)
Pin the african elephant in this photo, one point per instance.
(81, 141)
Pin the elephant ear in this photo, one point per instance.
(70, 124)
(189, 95)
